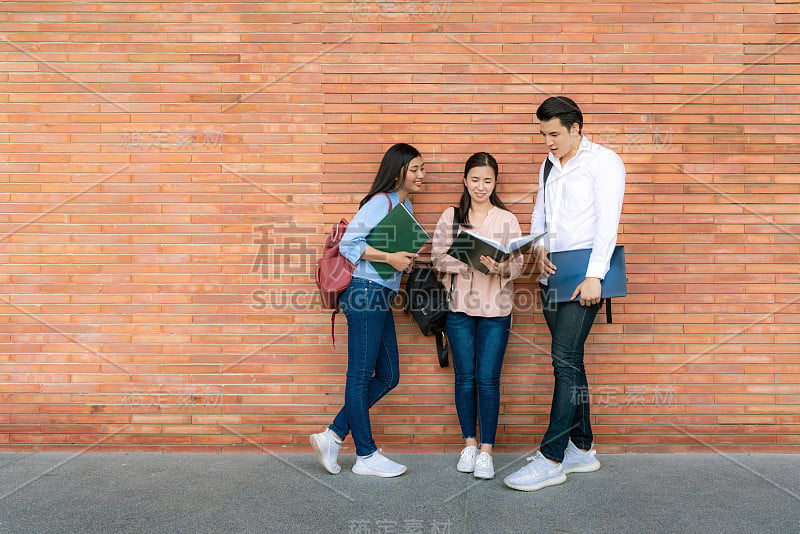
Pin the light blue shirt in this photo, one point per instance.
(354, 241)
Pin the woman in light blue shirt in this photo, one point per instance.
(373, 367)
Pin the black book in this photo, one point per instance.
(469, 247)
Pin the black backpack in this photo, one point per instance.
(428, 301)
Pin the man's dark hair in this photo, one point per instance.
(562, 107)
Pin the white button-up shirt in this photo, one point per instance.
(581, 204)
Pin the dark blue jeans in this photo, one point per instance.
(373, 367)
(478, 345)
(569, 325)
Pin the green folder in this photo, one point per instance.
(397, 231)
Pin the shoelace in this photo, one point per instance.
(536, 465)
(532, 466)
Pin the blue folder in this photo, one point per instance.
(571, 271)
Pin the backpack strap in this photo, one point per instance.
(333, 321)
(442, 345)
(456, 226)
(548, 166)
(333, 314)
(441, 349)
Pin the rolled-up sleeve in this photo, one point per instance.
(354, 241)
(442, 239)
(609, 190)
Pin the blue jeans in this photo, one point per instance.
(478, 345)
(373, 366)
(569, 325)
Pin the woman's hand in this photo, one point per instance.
(400, 260)
(495, 267)
(543, 263)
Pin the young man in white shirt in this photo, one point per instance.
(579, 204)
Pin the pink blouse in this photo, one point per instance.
(476, 293)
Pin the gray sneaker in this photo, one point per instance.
(579, 461)
(538, 474)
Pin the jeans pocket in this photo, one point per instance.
(354, 297)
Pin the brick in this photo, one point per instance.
(152, 270)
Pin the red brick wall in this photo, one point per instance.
(169, 169)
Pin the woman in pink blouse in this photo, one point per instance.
(479, 320)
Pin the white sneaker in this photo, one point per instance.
(466, 464)
(579, 461)
(538, 474)
(377, 465)
(484, 467)
(327, 449)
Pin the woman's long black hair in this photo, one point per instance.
(479, 159)
(393, 165)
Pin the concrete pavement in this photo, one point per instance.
(291, 493)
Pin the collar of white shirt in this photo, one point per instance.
(586, 145)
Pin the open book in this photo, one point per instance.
(397, 231)
(469, 247)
